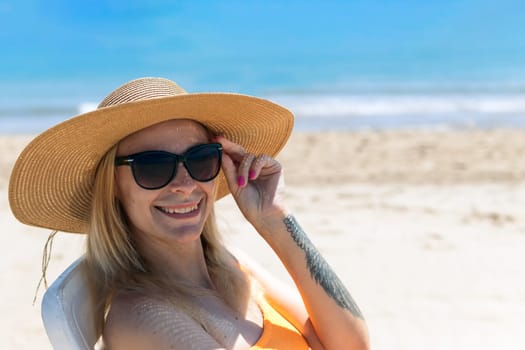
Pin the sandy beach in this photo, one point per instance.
(426, 228)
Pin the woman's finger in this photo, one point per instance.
(234, 150)
(264, 164)
(230, 171)
(243, 172)
(257, 165)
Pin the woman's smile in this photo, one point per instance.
(181, 211)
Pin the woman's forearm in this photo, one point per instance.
(333, 312)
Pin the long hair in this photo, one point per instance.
(114, 263)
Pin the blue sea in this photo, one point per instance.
(33, 107)
(336, 65)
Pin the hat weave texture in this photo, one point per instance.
(52, 181)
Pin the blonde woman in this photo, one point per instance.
(140, 175)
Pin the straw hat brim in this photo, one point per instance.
(52, 181)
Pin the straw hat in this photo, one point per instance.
(52, 181)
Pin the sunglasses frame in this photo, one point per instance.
(178, 158)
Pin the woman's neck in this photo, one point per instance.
(182, 262)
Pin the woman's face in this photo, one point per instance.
(178, 211)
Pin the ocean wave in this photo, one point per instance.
(336, 105)
(322, 111)
(85, 107)
(391, 105)
(43, 109)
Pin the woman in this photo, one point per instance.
(140, 176)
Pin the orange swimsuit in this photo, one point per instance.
(277, 332)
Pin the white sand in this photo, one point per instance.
(427, 230)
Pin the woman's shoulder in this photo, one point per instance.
(139, 321)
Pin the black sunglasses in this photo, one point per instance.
(155, 169)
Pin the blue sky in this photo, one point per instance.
(263, 45)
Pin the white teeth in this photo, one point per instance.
(179, 210)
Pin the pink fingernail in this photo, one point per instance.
(240, 181)
(251, 174)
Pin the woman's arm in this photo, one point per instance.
(334, 314)
(258, 189)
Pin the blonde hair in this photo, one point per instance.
(113, 263)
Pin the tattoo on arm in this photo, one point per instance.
(319, 269)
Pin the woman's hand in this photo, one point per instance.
(329, 316)
(255, 181)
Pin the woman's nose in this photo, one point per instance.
(182, 182)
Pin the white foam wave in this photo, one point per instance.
(85, 107)
(375, 105)
(383, 104)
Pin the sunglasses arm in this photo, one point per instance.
(123, 161)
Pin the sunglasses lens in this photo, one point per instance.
(154, 170)
(204, 162)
